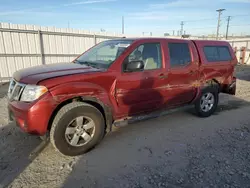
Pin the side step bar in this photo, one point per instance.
(156, 114)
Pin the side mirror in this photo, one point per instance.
(134, 66)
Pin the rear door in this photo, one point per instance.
(183, 74)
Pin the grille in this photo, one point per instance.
(15, 90)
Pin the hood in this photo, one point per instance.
(33, 75)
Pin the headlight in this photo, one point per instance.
(32, 92)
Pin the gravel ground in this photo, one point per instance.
(176, 150)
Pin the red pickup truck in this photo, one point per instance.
(116, 80)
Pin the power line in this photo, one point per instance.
(239, 25)
(206, 19)
(199, 28)
(215, 26)
(240, 15)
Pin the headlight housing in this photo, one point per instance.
(32, 92)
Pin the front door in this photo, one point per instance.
(143, 90)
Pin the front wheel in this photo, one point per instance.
(77, 128)
(206, 105)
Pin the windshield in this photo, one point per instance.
(104, 53)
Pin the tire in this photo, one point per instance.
(68, 116)
(214, 91)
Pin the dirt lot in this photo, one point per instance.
(176, 150)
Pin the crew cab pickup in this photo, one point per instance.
(116, 80)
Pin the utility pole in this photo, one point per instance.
(173, 32)
(122, 24)
(218, 25)
(228, 20)
(182, 24)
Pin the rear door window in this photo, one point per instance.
(179, 54)
(217, 53)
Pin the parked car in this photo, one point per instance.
(78, 102)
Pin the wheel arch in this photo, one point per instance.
(212, 82)
(104, 109)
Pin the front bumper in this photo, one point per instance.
(32, 117)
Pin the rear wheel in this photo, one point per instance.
(208, 101)
(77, 128)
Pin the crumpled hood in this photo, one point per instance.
(33, 75)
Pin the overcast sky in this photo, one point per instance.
(156, 16)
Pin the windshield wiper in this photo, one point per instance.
(76, 61)
(88, 63)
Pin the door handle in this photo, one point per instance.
(162, 76)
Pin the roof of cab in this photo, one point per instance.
(215, 42)
(149, 38)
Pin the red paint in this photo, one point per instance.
(220, 71)
(126, 94)
(34, 117)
